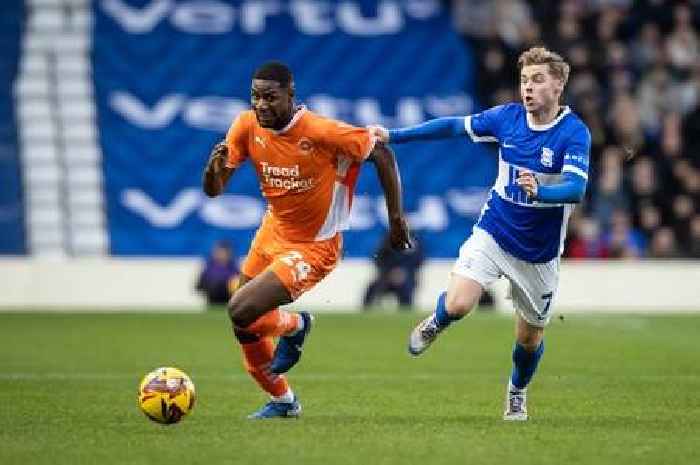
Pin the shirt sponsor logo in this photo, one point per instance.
(576, 159)
(284, 177)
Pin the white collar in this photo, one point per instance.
(300, 112)
(543, 127)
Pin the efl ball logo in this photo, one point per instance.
(166, 395)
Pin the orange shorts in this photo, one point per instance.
(299, 265)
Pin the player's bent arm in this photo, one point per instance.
(388, 172)
(216, 173)
(571, 190)
(214, 184)
(439, 128)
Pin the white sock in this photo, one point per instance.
(286, 398)
(299, 328)
(513, 388)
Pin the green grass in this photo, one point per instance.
(610, 390)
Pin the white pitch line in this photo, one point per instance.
(231, 377)
(26, 376)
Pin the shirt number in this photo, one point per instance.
(295, 260)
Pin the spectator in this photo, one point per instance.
(695, 237)
(586, 241)
(683, 212)
(623, 241)
(647, 50)
(397, 274)
(663, 244)
(218, 277)
(649, 219)
(610, 195)
(636, 83)
(682, 45)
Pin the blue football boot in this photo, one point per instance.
(278, 410)
(288, 350)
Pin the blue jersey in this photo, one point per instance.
(527, 229)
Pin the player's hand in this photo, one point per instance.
(217, 158)
(380, 132)
(529, 183)
(400, 234)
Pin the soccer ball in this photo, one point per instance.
(166, 395)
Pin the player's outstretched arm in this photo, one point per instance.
(216, 174)
(439, 128)
(388, 171)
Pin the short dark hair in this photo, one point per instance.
(274, 71)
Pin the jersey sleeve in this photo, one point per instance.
(350, 141)
(236, 141)
(485, 126)
(577, 153)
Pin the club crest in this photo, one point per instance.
(547, 158)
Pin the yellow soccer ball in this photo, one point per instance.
(166, 395)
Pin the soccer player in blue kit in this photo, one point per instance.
(543, 169)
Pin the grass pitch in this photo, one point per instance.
(610, 390)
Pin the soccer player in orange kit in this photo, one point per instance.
(307, 166)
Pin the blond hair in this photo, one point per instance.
(558, 68)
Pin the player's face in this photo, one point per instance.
(272, 104)
(539, 90)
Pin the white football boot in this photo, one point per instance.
(516, 404)
(423, 335)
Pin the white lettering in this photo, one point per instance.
(422, 9)
(254, 15)
(431, 215)
(469, 202)
(213, 113)
(460, 104)
(167, 216)
(137, 113)
(232, 211)
(310, 17)
(134, 20)
(226, 211)
(204, 17)
(388, 21)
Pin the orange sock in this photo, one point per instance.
(257, 357)
(275, 323)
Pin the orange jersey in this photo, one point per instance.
(307, 171)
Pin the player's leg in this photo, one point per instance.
(257, 353)
(301, 267)
(472, 272)
(257, 347)
(527, 352)
(533, 288)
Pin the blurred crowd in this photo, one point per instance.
(635, 81)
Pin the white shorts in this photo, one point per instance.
(533, 285)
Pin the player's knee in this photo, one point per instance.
(244, 337)
(240, 311)
(459, 304)
(529, 340)
(529, 344)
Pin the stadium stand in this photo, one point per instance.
(636, 82)
(60, 154)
